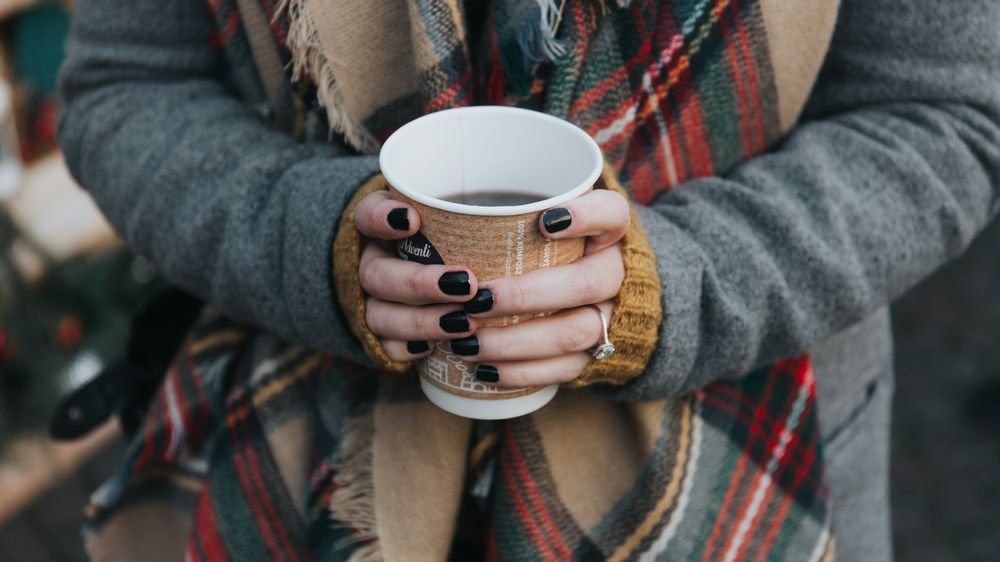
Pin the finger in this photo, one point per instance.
(410, 323)
(601, 214)
(406, 350)
(389, 278)
(539, 372)
(591, 279)
(381, 217)
(577, 329)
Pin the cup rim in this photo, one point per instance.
(493, 211)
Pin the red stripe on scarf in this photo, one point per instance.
(495, 86)
(746, 408)
(205, 530)
(748, 541)
(671, 46)
(523, 511)
(621, 73)
(756, 117)
(737, 476)
(443, 100)
(243, 473)
(777, 430)
(746, 411)
(643, 181)
(278, 522)
(745, 418)
(583, 37)
(661, 100)
(587, 99)
(786, 497)
(612, 116)
(644, 177)
(693, 128)
(802, 469)
(491, 545)
(202, 397)
(734, 60)
(772, 437)
(528, 484)
(801, 472)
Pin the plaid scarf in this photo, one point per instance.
(257, 449)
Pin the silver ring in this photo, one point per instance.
(604, 349)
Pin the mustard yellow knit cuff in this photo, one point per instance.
(635, 322)
(346, 260)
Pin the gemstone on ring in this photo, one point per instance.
(604, 350)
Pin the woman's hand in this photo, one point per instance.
(410, 305)
(553, 349)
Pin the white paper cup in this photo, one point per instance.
(471, 151)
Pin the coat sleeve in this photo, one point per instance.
(191, 178)
(893, 170)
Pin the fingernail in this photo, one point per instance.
(482, 302)
(556, 219)
(487, 373)
(465, 346)
(455, 322)
(417, 347)
(399, 219)
(455, 283)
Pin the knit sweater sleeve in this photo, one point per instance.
(893, 170)
(191, 178)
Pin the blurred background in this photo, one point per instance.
(68, 290)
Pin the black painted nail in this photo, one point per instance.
(455, 283)
(556, 219)
(455, 322)
(465, 346)
(399, 219)
(487, 373)
(417, 347)
(482, 302)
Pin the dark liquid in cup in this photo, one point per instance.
(495, 198)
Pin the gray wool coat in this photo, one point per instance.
(893, 169)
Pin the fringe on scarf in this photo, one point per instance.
(308, 59)
(530, 41)
(353, 502)
(539, 43)
(536, 42)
